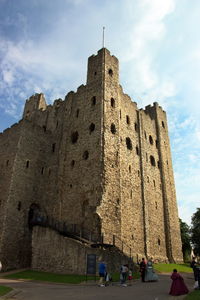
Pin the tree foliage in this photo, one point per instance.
(195, 232)
(185, 238)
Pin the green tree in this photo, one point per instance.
(195, 232)
(185, 238)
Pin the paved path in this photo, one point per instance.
(33, 290)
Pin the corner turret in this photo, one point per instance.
(35, 102)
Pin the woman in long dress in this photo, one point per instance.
(178, 286)
(150, 274)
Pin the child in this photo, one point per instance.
(178, 286)
(130, 276)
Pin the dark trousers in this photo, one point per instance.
(142, 275)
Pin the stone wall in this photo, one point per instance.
(71, 257)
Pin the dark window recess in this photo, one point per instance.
(156, 205)
(92, 127)
(70, 185)
(74, 137)
(118, 201)
(129, 168)
(93, 100)
(72, 163)
(42, 170)
(136, 127)
(112, 102)
(53, 147)
(19, 206)
(158, 164)
(27, 164)
(150, 140)
(85, 155)
(113, 128)
(131, 194)
(110, 72)
(154, 183)
(147, 178)
(7, 162)
(44, 128)
(77, 113)
(163, 124)
(146, 157)
(156, 143)
(137, 150)
(127, 120)
(57, 124)
(129, 143)
(158, 242)
(132, 237)
(95, 73)
(138, 173)
(152, 160)
(120, 114)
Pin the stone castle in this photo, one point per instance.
(89, 173)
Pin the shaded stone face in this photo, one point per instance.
(94, 161)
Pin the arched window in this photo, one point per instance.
(74, 137)
(85, 155)
(112, 102)
(152, 160)
(136, 127)
(110, 72)
(150, 140)
(127, 120)
(129, 143)
(92, 127)
(93, 100)
(137, 150)
(113, 128)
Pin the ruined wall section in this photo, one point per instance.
(172, 226)
(152, 188)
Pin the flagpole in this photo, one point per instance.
(103, 42)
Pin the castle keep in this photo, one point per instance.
(92, 170)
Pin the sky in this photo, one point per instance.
(44, 46)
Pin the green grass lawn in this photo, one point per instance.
(4, 290)
(59, 278)
(51, 277)
(168, 268)
(66, 278)
(195, 295)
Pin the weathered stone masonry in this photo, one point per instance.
(94, 161)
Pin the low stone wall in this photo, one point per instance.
(51, 252)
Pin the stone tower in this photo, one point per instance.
(93, 161)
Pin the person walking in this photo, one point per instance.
(143, 269)
(123, 274)
(193, 265)
(178, 286)
(102, 273)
